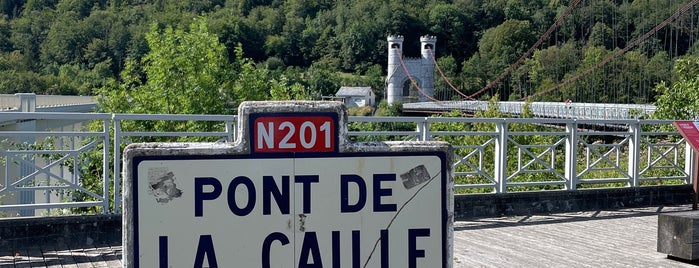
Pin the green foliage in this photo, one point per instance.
(186, 73)
(681, 100)
(316, 41)
(360, 111)
(384, 109)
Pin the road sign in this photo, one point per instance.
(297, 132)
(690, 131)
(257, 203)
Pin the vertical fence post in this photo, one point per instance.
(689, 156)
(422, 130)
(571, 167)
(117, 164)
(105, 168)
(691, 163)
(500, 172)
(634, 153)
(27, 104)
(426, 135)
(230, 130)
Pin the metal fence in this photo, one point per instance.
(608, 111)
(54, 164)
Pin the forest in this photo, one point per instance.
(308, 49)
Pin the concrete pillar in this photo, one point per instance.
(27, 102)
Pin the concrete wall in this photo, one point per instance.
(85, 231)
(530, 203)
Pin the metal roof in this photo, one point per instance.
(353, 91)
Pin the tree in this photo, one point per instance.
(5, 33)
(448, 22)
(186, 73)
(29, 32)
(503, 45)
(681, 100)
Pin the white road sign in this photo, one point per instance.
(314, 210)
(292, 191)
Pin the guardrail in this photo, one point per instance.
(46, 154)
(608, 111)
(15, 102)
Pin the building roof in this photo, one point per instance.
(353, 91)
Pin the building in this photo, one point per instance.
(410, 79)
(356, 96)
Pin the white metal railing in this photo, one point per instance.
(493, 155)
(14, 101)
(40, 157)
(609, 111)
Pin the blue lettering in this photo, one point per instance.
(269, 189)
(345, 207)
(413, 252)
(306, 180)
(310, 247)
(336, 248)
(251, 196)
(268, 243)
(206, 247)
(384, 248)
(200, 195)
(356, 249)
(162, 252)
(379, 192)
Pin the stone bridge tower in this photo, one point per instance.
(399, 88)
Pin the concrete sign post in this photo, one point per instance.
(290, 192)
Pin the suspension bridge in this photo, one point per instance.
(616, 83)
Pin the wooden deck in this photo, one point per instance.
(619, 238)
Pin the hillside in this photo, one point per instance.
(74, 46)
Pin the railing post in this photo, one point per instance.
(571, 167)
(230, 130)
(423, 130)
(117, 164)
(500, 172)
(634, 154)
(27, 104)
(689, 156)
(105, 167)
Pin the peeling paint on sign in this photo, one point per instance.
(415, 177)
(162, 185)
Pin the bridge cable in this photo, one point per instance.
(543, 37)
(410, 77)
(446, 79)
(636, 42)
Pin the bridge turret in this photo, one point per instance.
(428, 44)
(395, 74)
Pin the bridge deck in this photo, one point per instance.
(619, 238)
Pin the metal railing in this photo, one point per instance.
(608, 111)
(491, 155)
(14, 101)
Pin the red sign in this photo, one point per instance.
(293, 133)
(690, 132)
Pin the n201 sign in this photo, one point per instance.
(275, 133)
(338, 210)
